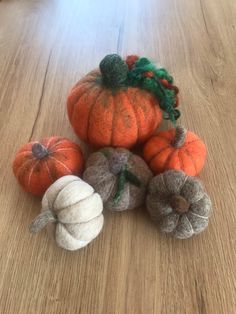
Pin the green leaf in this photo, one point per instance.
(121, 186)
(131, 178)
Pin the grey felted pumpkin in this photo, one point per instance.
(119, 176)
(178, 203)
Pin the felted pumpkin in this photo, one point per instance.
(72, 212)
(118, 107)
(178, 203)
(119, 176)
(177, 149)
(39, 163)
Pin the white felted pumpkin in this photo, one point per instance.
(72, 211)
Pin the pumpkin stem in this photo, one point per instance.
(179, 204)
(180, 136)
(114, 71)
(117, 162)
(39, 151)
(41, 221)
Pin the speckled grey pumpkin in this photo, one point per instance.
(178, 203)
(102, 172)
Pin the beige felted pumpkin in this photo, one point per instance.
(119, 176)
(72, 211)
(178, 203)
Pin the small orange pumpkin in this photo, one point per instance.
(38, 164)
(105, 112)
(177, 149)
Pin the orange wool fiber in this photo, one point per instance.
(104, 112)
(39, 163)
(176, 149)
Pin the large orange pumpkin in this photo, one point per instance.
(177, 149)
(38, 164)
(105, 112)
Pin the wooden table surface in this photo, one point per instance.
(45, 47)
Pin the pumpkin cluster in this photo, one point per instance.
(114, 109)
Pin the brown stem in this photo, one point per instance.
(179, 204)
(180, 136)
(41, 221)
(39, 151)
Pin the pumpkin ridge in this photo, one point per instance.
(193, 141)
(89, 78)
(190, 224)
(171, 214)
(58, 210)
(52, 205)
(66, 149)
(185, 179)
(49, 174)
(63, 226)
(23, 165)
(57, 143)
(85, 222)
(31, 172)
(113, 122)
(162, 219)
(160, 151)
(76, 223)
(101, 91)
(61, 163)
(193, 161)
(111, 190)
(76, 103)
(99, 182)
(72, 104)
(67, 207)
(125, 122)
(164, 182)
(163, 137)
(135, 113)
(197, 215)
(49, 142)
(83, 108)
(180, 161)
(113, 117)
(168, 159)
(25, 151)
(86, 78)
(85, 91)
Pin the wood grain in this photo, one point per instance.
(45, 46)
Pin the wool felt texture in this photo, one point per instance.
(39, 163)
(144, 74)
(178, 203)
(177, 149)
(119, 176)
(72, 212)
(105, 111)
